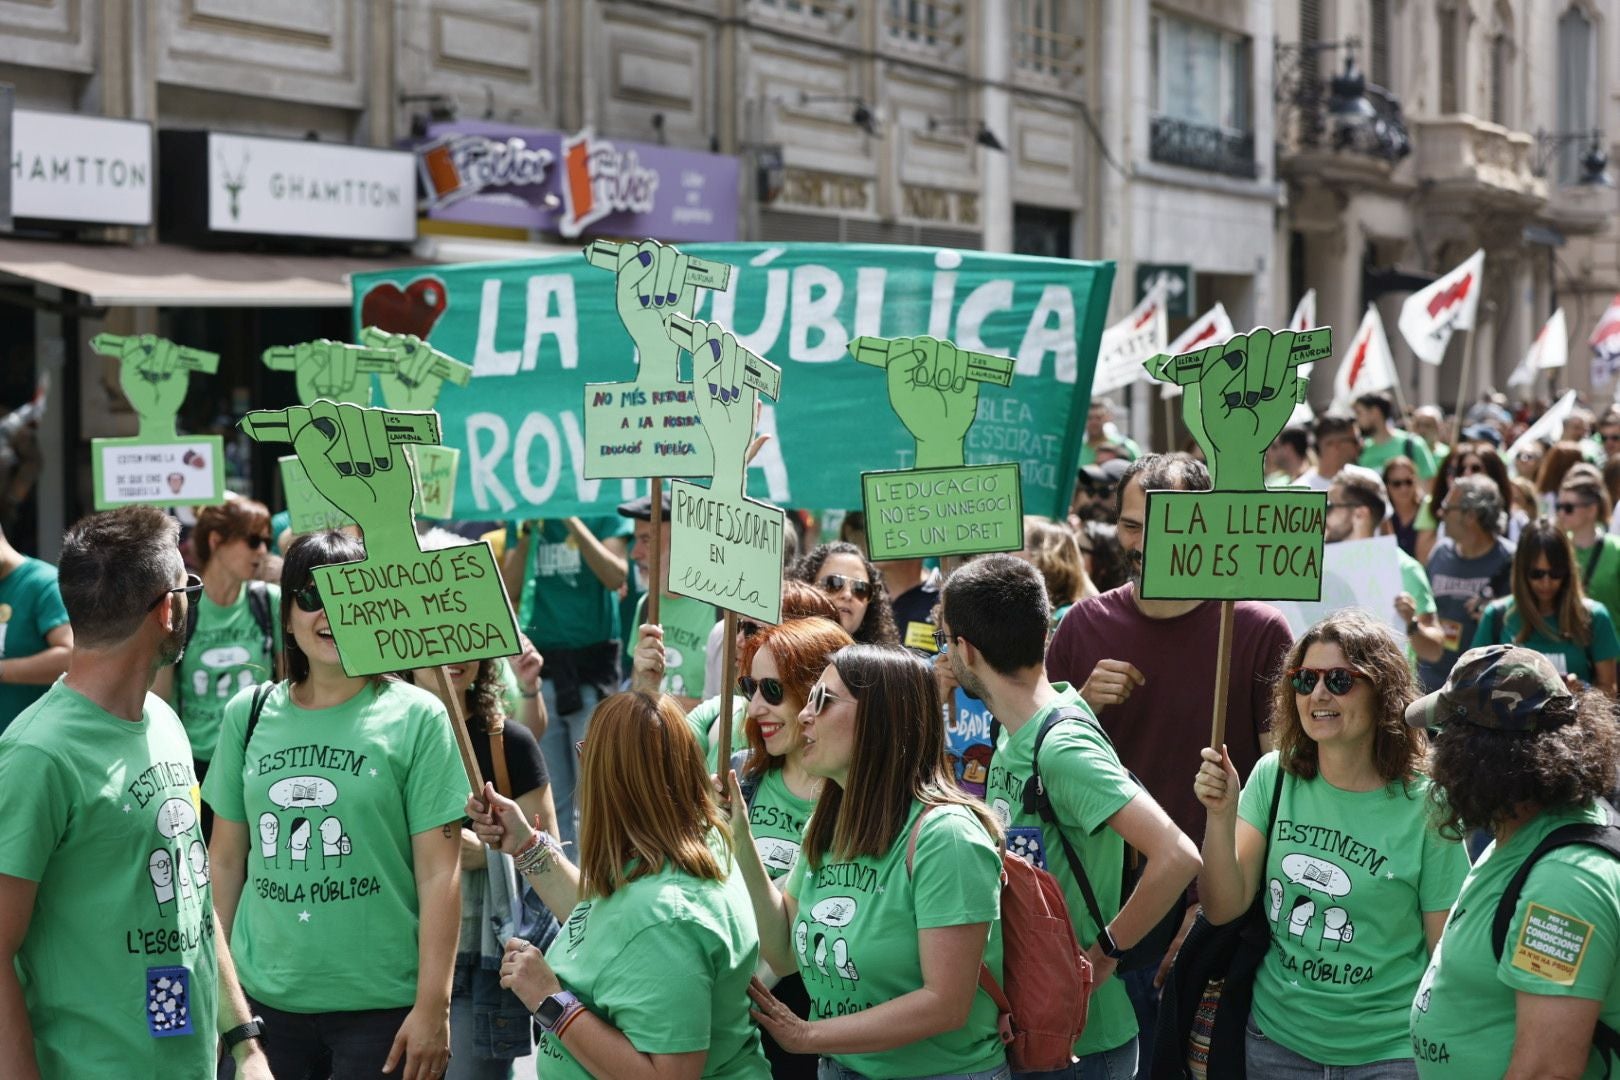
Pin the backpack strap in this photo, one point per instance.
(260, 696)
(259, 607)
(1038, 801)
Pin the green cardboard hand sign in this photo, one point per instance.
(420, 371)
(156, 467)
(652, 284)
(726, 403)
(154, 374)
(330, 370)
(929, 390)
(1240, 395)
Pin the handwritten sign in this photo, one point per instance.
(942, 507)
(307, 509)
(725, 548)
(435, 470)
(399, 607)
(156, 467)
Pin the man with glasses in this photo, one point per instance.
(1337, 445)
(1609, 432)
(1356, 507)
(35, 636)
(1382, 440)
(1469, 568)
(112, 962)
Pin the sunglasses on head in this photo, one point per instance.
(769, 689)
(1571, 507)
(309, 598)
(833, 584)
(748, 628)
(1339, 680)
(819, 696)
(1543, 575)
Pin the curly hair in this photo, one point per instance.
(877, 628)
(1482, 778)
(1399, 751)
(486, 698)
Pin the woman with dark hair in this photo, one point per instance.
(1105, 557)
(894, 902)
(1407, 499)
(1550, 474)
(231, 641)
(856, 589)
(1550, 613)
(1519, 983)
(1583, 510)
(1357, 882)
(647, 979)
(1471, 459)
(323, 940)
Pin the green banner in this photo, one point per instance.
(1233, 545)
(537, 332)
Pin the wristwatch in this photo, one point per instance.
(253, 1029)
(1110, 947)
(551, 1010)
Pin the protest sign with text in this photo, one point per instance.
(156, 467)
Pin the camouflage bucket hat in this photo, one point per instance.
(1501, 687)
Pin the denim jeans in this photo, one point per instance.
(1116, 1064)
(831, 1070)
(563, 730)
(340, 1045)
(1145, 1001)
(1267, 1060)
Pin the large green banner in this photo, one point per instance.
(536, 332)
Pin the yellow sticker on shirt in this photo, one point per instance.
(1453, 635)
(1551, 945)
(920, 635)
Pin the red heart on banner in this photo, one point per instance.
(412, 310)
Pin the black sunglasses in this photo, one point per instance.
(769, 689)
(1571, 507)
(1543, 575)
(254, 543)
(1339, 680)
(309, 598)
(192, 587)
(833, 584)
(1398, 483)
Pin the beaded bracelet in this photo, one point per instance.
(542, 850)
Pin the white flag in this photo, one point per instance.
(1549, 429)
(1130, 343)
(1549, 350)
(1605, 343)
(1367, 365)
(1430, 315)
(1305, 314)
(1211, 328)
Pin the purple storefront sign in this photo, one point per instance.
(484, 173)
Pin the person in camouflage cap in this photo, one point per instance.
(1499, 687)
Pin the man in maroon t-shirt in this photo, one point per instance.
(1147, 669)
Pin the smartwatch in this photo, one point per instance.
(551, 1010)
(253, 1029)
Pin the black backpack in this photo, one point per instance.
(1604, 837)
(258, 594)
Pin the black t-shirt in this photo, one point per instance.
(914, 615)
(524, 764)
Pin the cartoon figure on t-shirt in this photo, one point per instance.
(1421, 1002)
(182, 875)
(801, 944)
(298, 842)
(334, 844)
(197, 854)
(160, 865)
(1276, 889)
(1300, 915)
(834, 912)
(269, 829)
(1337, 927)
(673, 658)
(776, 853)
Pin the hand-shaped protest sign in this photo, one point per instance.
(419, 372)
(333, 370)
(157, 467)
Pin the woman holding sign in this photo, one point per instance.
(336, 848)
(888, 943)
(1355, 881)
(648, 976)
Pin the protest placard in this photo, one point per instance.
(941, 507)
(156, 467)
(1355, 573)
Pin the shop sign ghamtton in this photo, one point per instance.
(286, 187)
(80, 169)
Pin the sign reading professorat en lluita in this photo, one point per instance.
(157, 466)
(399, 607)
(537, 332)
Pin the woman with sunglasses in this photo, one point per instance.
(647, 978)
(889, 953)
(343, 928)
(856, 589)
(1407, 499)
(1355, 880)
(1550, 612)
(1582, 511)
(1471, 459)
(1555, 465)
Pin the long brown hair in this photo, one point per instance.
(645, 799)
(1399, 751)
(801, 649)
(1574, 622)
(899, 758)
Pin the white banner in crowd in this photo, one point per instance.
(1355, 573)
(1549, 429)
(1130, 342)
(1605, 343)
(1431, 314)
(1550, 350)
(1304, 319)
(1366, 366)
(1211, 328)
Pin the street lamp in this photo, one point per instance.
(983, 135)
(1365, 117)
(1594, 163)
(861, 116)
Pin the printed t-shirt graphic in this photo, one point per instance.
(1462, 588)
(225, 654)
(563, 605)
(855, 936)
(1564, 941)
(666, 959)
(118, 967)
(1348, 875)
(686, 624)
(331, 798)
(30, 608)
(1087, 785)
(777, 818)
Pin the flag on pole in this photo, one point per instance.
(1549, 429)
(1367, 365)
(1131, 341)
(1549, 350)
(1431, 314)
(1304, 319)
(1211, 328)
(1605, 343)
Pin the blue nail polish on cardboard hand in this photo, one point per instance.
(644, 300)
(714, 391)
(673, 298)
(714, 347)
(645, 257)
(735, 393)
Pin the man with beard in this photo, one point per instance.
(100, 973)
(1147, 670)
(993, 622)
(1382, 440)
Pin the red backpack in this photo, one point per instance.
(1048, 977)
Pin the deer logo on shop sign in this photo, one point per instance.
(234, 183)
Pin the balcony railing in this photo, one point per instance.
(1177, 142)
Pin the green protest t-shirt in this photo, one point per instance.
(1415, 581)
(1564, 941)
(666, 959)
(1600, 570)
(30, 608)
(1088, 785)
(776, 818)
(330, 799)
(686, 624)
(855, 936)
(224, 655)
(1348, 877)
(118, 965)
(1375, 455)
(1500, 625)
(702, 718)
(564, 605)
